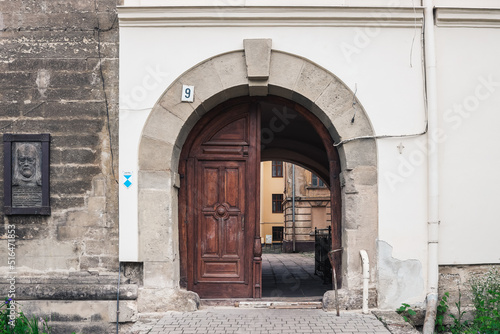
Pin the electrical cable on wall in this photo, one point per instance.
(118, 297)
(381, 136)
(414, 32)
(424, 96)
(354, 101)
(98, 31)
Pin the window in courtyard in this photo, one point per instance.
(278, 233)
(316, 181)
(277, 168)
(277, 203)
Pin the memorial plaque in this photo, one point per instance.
(26, 174)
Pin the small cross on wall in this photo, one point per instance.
(400, 148)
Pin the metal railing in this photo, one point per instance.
(322, 245)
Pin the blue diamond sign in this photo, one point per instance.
(127, 176)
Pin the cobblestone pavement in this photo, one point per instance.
(291, 275)
(262, 321)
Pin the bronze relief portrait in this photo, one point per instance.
(26, 174)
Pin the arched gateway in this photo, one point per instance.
(219, 196)
(214, 145)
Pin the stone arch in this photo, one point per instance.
(227, 76)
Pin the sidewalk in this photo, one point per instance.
(284, 275)
(260, 321)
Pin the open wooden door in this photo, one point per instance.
(220, 205)
(219, 195)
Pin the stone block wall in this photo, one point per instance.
(304, 229)
(59, 75)
(455, 279)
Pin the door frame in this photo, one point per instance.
(150, 230)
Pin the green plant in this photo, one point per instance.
(442, 308)
(486, 298)
(406, 312)
(458, 326)
(20, 324)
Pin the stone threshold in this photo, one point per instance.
(281, 305)
(272, 303)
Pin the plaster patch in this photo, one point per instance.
(399, 281)
(42, 81)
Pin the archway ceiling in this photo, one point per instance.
(288, 136)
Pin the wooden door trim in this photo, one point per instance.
(257, 246)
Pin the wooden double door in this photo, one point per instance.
(219, 200)
(219, 205)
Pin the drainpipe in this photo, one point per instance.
(432, 163)
(366, 277)
(293, 207)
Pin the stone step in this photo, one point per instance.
(281, 305)
(289, 303)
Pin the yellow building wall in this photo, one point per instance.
(269, 185)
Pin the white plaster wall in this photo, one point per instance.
(467, 3)
(128, 152)
(469, 158)
(376, 60)
(361, 3)
(370, 3)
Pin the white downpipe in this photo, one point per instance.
(433, 175)
(366, 278)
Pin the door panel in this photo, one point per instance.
(232, 235)
(210, 181)
(220, 234)
(210, 244)
(221, 207)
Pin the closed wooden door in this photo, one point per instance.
(221, 179)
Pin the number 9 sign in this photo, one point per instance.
(187, 93)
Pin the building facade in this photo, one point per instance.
(160, 113)
(310, 210)
(271, 203)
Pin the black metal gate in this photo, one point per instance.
(322, 245)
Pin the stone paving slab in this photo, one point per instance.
(261, 321)
(291, 275)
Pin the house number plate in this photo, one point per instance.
(187, 93)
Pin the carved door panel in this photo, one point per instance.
(222, 174)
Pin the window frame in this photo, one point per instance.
(277, 203)
(316, 182)
(276, 168)
(278, 230)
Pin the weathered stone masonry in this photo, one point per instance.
(51, 57)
